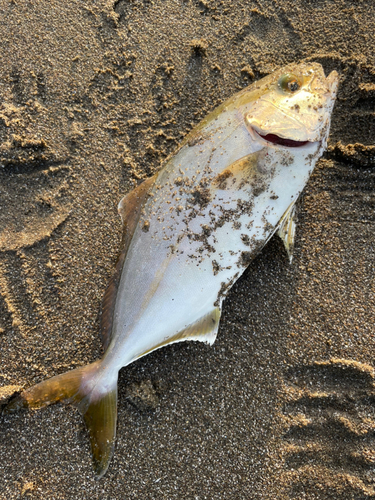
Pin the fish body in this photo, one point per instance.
(192, 229)
(211, 209)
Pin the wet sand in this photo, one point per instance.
(93, 97)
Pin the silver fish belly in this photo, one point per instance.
(192, 229)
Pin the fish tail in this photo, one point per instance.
(96, 401)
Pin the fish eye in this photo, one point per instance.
(289, 83)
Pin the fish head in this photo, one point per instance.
(292, 107)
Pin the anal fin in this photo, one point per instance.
(203, 330)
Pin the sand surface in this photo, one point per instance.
(93, 96)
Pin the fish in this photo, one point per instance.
(191, 230)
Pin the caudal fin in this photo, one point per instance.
(98, 406)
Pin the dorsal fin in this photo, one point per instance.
(203, 330)
(130, 210)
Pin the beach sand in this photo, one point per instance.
(93, 96)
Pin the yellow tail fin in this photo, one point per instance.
(97, 405)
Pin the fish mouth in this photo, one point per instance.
(277, 140)
(281, 141)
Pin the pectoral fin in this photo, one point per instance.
(287, 229)
(239, 173)
(130, 210)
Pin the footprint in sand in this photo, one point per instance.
(329, 438)
(34, 197)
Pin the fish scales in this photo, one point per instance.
(192, 229)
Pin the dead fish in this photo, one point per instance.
(192, 229)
